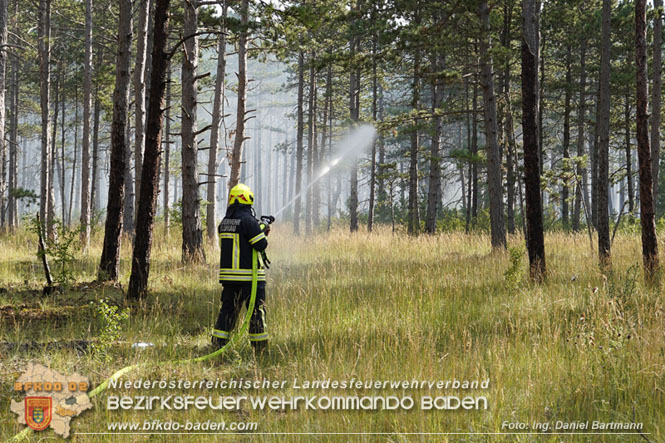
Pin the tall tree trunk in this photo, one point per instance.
(217, 115)
(647, 215)
(413, 213)
(629, 154)
(324, 126)
(85, 146)
(139, 90)
(299, 143)
(330, 144)
(192, 236)
(434, 183)
(566, 140)
(138, 281)
(311, 112)
(3, 144)
(44, 49)
(474, 151)
(167, 153)
(534, 210)
(13, 132)
(580, 171)
(72, 184)
(604, 138)
(63, 172)
(94, 190)
(236, 155)
(372, 176)
(467, 107)
(594, 164)
(354, 114)
(656, 94)
(509, 132)
(498, 232)
(316, 164)
(128, 212)
(108, 265)
(57, 87)
(382, 195)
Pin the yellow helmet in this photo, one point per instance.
(242, 194)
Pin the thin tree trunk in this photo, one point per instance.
(629, 155)
(75, 157)
(509, 132)
(138, 281)
(656, 94)
(324, 128)
(330, 140)
(434, 184)
(580, 171)
(55, 165)
(192, 236)
(566, 140)
(167, 153)
(44, 47)
(143, 7)
(316, 163)
(13, 132)
(604, 138)
(467, 226)
(413, 213)
(3, 143)
(236, 155)
(309, 210)
(85, 146)
(647, 215)
(594, 164)
(534, 210)
(94, 192)
(354, 114)
(108, 265)
(380, 181)
(128, 212)
(299, 143)
(498, 232)
(372, 177)
(474, 151)
(63, 169)
(217, 114)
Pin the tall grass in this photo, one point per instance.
(582, 346)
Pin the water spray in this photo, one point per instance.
(353, 146)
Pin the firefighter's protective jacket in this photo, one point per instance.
(239, 232)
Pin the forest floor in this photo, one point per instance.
(581, 347)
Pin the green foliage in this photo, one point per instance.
(451, 221)
(175, 212)
(512, 275)
(111, 321)
(60, 247)
(29, 196)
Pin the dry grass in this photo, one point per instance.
(582, 346)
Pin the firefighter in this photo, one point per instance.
(239, 233)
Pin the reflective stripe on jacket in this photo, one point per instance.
(239, 232)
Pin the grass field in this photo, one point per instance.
(582, 346)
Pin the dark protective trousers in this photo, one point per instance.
(233, 297)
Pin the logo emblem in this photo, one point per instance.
(38, 412)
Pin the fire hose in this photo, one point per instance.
(25, 433)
